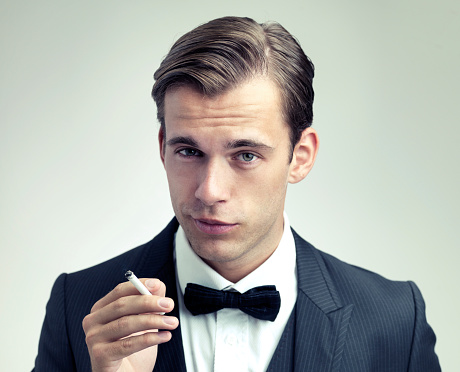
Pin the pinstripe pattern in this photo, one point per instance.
(351, 320)
(346, 319)
(283, 358)
(420, 361)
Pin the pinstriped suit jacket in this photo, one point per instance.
(346, 319)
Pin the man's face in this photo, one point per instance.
(227, 163)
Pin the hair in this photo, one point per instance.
(227, 52)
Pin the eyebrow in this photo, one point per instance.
(234, 144)
(248, 143)
(182, 140)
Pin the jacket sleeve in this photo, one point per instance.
(423, 357)
(54, 352)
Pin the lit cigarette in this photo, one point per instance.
(137, 283)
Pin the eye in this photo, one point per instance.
(247, 157)
(189, 152)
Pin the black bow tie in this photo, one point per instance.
(260, 302)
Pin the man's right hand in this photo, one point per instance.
(122, 328)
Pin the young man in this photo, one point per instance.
(234, 100)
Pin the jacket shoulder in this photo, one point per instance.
(353, 282)
(360, 285)
(387, 318)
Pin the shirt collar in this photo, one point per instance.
(279, 269)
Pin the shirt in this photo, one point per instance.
(230, 340)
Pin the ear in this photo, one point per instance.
(304, 156)
(161, 140)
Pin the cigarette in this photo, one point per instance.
(137, 283)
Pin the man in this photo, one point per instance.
(234, 100)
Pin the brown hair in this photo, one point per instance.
(226, 52)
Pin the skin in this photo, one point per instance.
(227, 163)
(122, 328)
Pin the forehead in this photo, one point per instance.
(249, 105)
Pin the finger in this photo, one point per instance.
(127, 289)
(128, 325)
(130, 345)
(155, 286)
(131, 305)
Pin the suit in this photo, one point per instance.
(346, 319)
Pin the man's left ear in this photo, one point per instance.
(304, 155)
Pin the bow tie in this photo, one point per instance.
(260, 302)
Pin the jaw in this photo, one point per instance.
(236, 253)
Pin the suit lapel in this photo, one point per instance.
(171, 354)
(321, 320)
(159, 263)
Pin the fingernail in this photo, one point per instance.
(169, 320)
(165, 303)
(163, 335)
(150, 283)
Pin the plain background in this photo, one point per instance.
(81, 179)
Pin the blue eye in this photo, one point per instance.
(189, 152)
(247, 157)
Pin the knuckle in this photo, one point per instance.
(119, 305)
(86, 322)
(98, 352)
(151, 321)
(149, 338)
(117, 291)
(122, 323)
(146, 302)
(90, 337)
(126, 343)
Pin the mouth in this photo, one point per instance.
(213, 227)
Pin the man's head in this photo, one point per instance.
(227, 52)
(226, 105)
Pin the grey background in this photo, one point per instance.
(81, 179)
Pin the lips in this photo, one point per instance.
(213, 227)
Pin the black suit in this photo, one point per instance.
(346, 319)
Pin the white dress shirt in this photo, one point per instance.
(230, 340)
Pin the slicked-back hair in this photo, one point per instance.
(226, 52)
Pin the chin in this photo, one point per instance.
(215, 250)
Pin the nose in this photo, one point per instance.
(214, 183)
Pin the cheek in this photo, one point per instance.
(180, 184)
(267, 189)
(273, 178)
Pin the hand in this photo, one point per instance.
(122, 328)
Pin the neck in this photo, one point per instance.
(234, 271)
